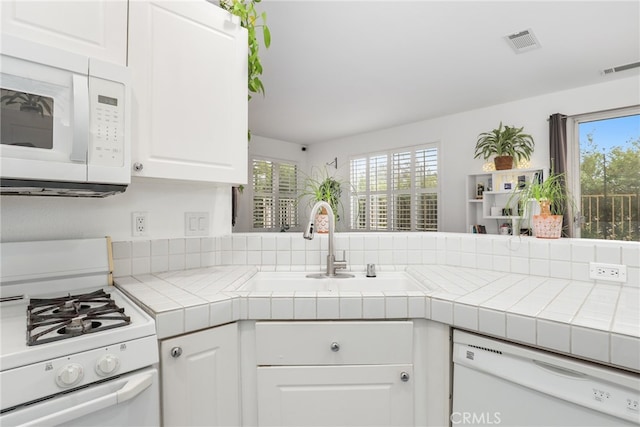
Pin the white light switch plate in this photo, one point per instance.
(196, 223)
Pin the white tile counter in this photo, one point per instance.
(586, 319)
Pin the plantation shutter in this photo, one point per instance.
(426, 184)
(359, 197)
(401, 189)
(288, 195)
(263, 214)
(378, 184)
(396, 191)
(275, 194)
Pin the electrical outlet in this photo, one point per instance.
(609, 272)
(139, 223)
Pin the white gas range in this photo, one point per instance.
(73, 349)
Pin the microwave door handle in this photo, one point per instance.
(131, 389)
(80, 142)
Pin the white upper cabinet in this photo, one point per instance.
(188, 61)
(96, 28)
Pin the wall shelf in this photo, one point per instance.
(498, 187)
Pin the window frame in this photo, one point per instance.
(390, 193)
(573, 154)
(277, 195)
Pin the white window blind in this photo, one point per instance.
(395, 191)
(426, 185)
(275, 195)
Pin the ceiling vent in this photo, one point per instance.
(523, 41)
(620, 68)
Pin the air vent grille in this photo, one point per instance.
(523, 41)
(621, 68)
(485, 349)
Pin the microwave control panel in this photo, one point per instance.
(107, 144)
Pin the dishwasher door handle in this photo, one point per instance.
(560, 370)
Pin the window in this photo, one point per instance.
(607, 152)
(395, 191)
(275, 195)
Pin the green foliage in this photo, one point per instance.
(552, 189)
(322, 186)
(620, 166)
(505, 141)
(610, 188)
(250, 19)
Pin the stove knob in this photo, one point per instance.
(107, 365)
(69, 375)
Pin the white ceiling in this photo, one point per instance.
(339, 68)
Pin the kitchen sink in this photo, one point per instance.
(298, 281)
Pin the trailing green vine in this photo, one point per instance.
(251, 20)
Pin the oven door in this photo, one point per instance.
(129, 400)
(44, 110)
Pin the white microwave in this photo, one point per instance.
(64, 122)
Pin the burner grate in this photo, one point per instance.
(54, 319)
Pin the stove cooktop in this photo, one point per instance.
(54, 319)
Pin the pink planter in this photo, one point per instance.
(322, 222)
(547, 226)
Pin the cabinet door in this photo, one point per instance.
(356, 395)
(188, 61)
(201, 385)
(96, 28)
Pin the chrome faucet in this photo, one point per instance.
(332, 263)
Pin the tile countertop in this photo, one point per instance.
(599, 322)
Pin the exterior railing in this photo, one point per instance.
(614, 216)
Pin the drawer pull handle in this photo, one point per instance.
(335, 346)
(404, 376)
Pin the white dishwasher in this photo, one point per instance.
(497, 383)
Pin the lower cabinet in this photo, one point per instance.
(346, 373)
(352, 395)
(200, 378)
(308, 373)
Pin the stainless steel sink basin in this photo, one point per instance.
(298, 281)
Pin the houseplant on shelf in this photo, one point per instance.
(553, 199)
(507, 144)
(322, 186)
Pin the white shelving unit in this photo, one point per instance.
(485, 207)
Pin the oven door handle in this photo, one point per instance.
(130, 390)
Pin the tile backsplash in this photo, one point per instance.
(562, 258)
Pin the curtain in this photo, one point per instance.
(234, 205)
(558, 160)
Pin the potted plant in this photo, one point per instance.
(250, 19)
(552, 197)
(507, 144)
(324, 187)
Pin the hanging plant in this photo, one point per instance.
(252, 21)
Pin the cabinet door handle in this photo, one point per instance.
(176, 352)
(404, 376)
(335, 346)
(137, 166)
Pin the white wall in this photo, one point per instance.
(35, 218)
(457, 135)
(42, 218)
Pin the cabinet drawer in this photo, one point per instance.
(334, 343)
